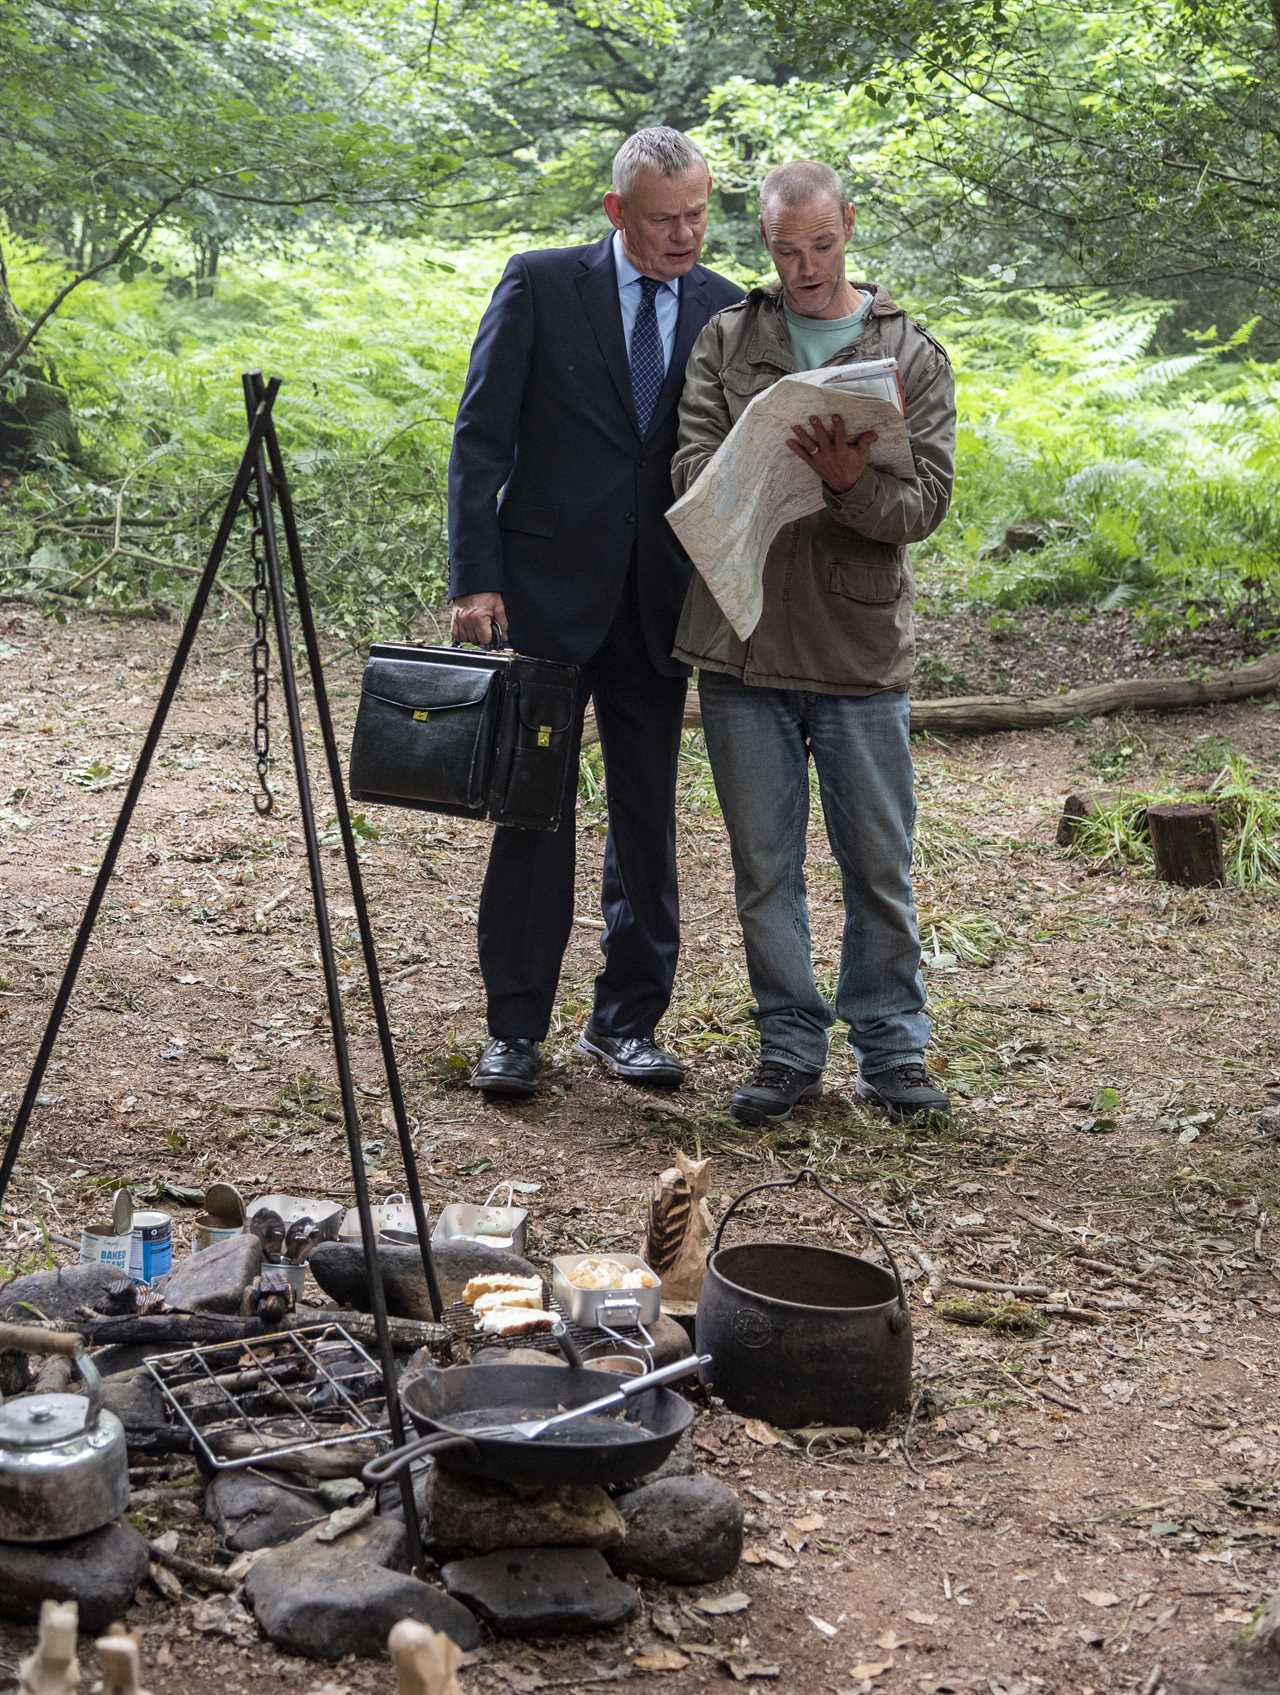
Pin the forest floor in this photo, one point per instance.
(1067, 1511)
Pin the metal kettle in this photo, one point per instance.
(64, 1464)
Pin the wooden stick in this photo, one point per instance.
(121, 1671)
(1030, 1291)
(52, 1668)
(426, 1660)
(31, 1339)
(208, 1576)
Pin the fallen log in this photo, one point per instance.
(173, 1330)
(978, 714)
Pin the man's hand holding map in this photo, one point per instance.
(753, 486)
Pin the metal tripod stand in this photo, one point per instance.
(261, 486)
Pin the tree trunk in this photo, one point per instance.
(1187, 844)
(34, 412)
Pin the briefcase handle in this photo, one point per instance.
(495, 644)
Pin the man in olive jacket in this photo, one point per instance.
(825, 672)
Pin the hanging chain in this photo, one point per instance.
(260, 600)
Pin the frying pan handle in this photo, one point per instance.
(808, 1175)
(387, 1466)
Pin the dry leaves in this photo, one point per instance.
(871, 1668)
(1100, 1597)
(223, 1615)
(821, 1626)
(759, 1431)
(759, 1556)
(717, 1605)
(661, 1659)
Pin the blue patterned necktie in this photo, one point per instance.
(648, 369)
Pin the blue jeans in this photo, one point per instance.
(759, 741)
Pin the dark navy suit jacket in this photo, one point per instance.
(546, 420)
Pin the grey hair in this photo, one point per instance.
(802, 180)
(659, 149)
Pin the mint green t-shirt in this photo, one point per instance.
(815, 340)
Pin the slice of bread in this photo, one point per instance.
(506, 1299)
(515, 1321)
(492, 1281)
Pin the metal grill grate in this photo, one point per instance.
(273, 1396)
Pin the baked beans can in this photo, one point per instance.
(152, 1246)
(99, 1245)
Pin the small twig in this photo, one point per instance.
(906, 1435)
(163, 1494)
(1078, 1315)
(193, 1571)
(1058, 1400)
(1030, 1291)
(927, 1266)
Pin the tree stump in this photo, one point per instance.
(1187, 844)
(1076, 808)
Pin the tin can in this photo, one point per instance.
(152, 1246)
(99, 1245)
(209, 1228)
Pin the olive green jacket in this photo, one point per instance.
(837, 585)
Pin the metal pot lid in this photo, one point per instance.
(122, 1212)
(41, 1421)
(225, 1203)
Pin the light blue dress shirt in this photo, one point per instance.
(666, 302)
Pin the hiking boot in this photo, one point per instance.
(507, 1069)
(903, 1091)
(771, 1091)
(636, 1059)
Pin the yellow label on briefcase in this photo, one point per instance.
(421, 717)
(544, 735)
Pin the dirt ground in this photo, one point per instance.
(1091, 1508)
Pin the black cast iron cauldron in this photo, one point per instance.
(801, 1335)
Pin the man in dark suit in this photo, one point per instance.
(560, 475)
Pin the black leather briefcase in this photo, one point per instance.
(475, 734)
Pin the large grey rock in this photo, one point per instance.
(471, 1515)
(258, 1510)
(136, 1401)
(61, 1294)
(682, 1530)
(338, 1267)
(330, 1599)
(680, 1462)
(542, 1591)
(99, 1572)
(215, 1279)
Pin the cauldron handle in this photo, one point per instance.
(808, 1175)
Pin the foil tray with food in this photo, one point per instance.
(606, 1291)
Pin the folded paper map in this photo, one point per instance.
(753, 484)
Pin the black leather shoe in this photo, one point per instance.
(508, 1069)
(636, 1059)
(904, 1091)
(771, 1091)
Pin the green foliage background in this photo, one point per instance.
(1079, 204)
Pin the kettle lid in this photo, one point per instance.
(42, 1421)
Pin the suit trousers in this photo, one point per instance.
(527, 902)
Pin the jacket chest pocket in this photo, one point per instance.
(741, 387)
(872, 585)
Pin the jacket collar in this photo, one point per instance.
(770, 343)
